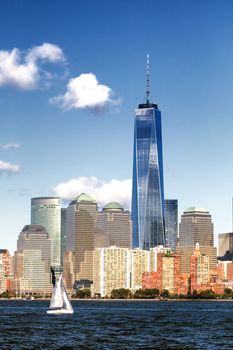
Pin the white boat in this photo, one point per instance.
(60, 303)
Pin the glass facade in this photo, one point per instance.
(171, 222)
(46, 211)
(148, 192)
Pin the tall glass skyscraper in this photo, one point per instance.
(148, 192)
(46, 211)
(171, 222)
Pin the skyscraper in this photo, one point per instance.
(46, 211)
(196, 227)
(113, 227)
(81, 216)
(147, 191)
(63, 232)
(171, 222)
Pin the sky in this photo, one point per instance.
(71, 75)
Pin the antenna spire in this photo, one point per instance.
(147, 79)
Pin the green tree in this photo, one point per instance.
(84, 293)
(121, 293)
(207, 294)
(146, 293)
(165, 294)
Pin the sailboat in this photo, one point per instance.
(60, 303)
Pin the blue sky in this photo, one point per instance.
(57, 144)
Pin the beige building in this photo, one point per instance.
(140, 263)
(31, 273)
(32, 261)
(116, 267)
(81, 217)
(196, 227)
(111, 269)
(113, 226)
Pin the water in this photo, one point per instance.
(109, 325)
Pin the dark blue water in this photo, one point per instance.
(108, 325)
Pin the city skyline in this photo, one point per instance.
(57, 142)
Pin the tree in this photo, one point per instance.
(121, 293)
(146, 293)
(84, 293)
(165, 294)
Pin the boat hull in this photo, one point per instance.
(59, 312)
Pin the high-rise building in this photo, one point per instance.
(167, 276)
(113, 227)
(46, 211)
(63, 232)
(196, 227)
(225, 244)
(111, 269)
(33, 260)
(147, 190)
(199, 269)
(171, 222)
(35, 237)
(81, 217)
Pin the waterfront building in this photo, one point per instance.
(225, 245)
(140, 263)
(5, 269)
(63, 232)
(46, 211)
(196, 227)
(199, 269)
(111, 270)
(36, 237)
(148, 189)
(81, 217)
(154, 254)
(113, 227)
(171, 222)
(31, 273)
(167, 276)
(32, 260)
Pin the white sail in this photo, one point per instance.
(66, 303)
(60, 302)
(56, 300)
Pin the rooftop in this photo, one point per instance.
(196, 210)
(113, 206)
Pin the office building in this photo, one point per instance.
(81, 217)
(225, 244)
(113, 227)
(199, 269)
(148, 189)
(46, 211)
(196, 227)
(32, 260)
(140, 263)
(171, 222)
(63, 232)
(35, 237)
(167, 276)
(111, 269)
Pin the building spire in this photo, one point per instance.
(147, 79)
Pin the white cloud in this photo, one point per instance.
(10, 145)
(102, 191)
(23, 70)
(85, 91)
(8, 168)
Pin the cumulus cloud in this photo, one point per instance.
(8, 168)
(85, 91)
(23, 69)
(102, 191)
(10, 145)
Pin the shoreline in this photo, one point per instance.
(122, 300)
